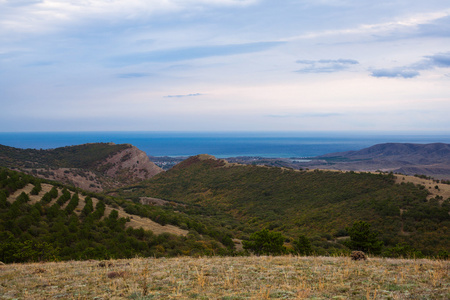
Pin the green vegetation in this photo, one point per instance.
(50, 229)
(362, 238)
(273, 210)
(81, 156)
(303, 246)
(265, 242)
(320, 205)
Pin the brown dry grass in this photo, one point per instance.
(284, 277)
(443, 189)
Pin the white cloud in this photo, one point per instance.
(376, 28)
(34, 16)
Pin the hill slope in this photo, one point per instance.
(43, 220)
(319, 204)
(92, 167)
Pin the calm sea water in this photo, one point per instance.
(219, 144)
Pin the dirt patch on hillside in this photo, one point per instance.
(84, 179)
(145, 223)
(153, 201)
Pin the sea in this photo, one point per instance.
(222, 144)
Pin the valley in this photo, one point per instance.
(216, 203)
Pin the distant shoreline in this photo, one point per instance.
(271, 145)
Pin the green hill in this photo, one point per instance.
(212, 205)
(43, 220)
(318, 204)
(81, 156)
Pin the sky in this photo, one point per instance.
(225, 65)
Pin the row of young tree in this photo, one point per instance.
(51, 228)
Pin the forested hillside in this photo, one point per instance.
(82, 156)
(210, 204)
(55, 222)
(318, 204)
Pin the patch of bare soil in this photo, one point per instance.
(84, 179)
(153, 201)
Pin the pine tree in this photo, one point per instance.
(362, 238)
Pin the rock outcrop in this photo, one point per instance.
(129, 165)
(95, 167)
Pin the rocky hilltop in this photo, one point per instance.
(129, 162)
(94, 167)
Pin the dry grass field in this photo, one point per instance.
(283, 277)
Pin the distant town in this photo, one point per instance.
(167, 162)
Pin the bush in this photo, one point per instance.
(265, 242)
(402, 250)
(36, 189)
(302, 246)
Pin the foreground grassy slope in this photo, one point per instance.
(284, 277)
(319, 204)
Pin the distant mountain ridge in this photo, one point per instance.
(428, 159)
(94, 167)
(407, 158)
(419, 153)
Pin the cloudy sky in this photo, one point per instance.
(225, 65)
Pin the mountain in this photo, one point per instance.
(411, 153)
(432, 160)
(93, 167)
(410, 159)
